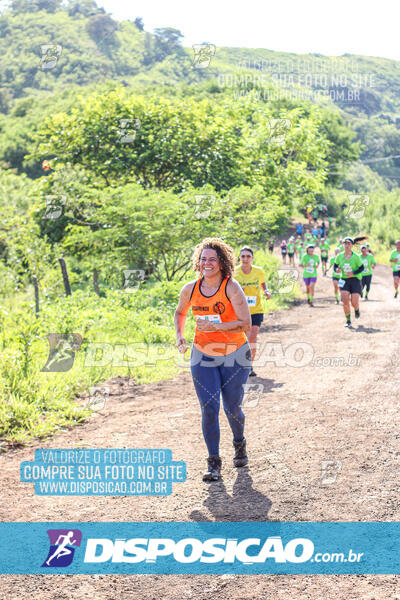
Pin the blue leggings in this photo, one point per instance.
(213, 376)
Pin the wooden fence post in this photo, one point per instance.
(65, 276)
(96, 282)
(36, 288)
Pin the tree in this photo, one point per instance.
(101, 27)
(26, 6)
(139, 23)
(84, 7)
(167, 40)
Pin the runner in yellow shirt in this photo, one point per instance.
(252, 281)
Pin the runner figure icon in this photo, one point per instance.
(62, 549)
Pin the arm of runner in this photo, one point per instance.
(180, 315)
(241, 308)
(359, 269)
(266, 290)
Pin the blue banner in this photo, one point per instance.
(200, 548)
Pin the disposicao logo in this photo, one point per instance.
(189, 550)
(63, 543)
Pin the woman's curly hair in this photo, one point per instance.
(225, 253)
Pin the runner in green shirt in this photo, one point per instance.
(350, 267)
(307, 237)
(395, 260)
(324, 250)
(301, 250)
(369, 263)
(335, 276)
(310, 262)
(340, 244)
(290, 249)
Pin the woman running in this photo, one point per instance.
(335, 276)
(369, 263)
(297, 245)
(350, 267)
(307, 237)
(301, 250)
(324, 250)
(220, 357)
(271, 246)
(310, 262)
(284, 251)
(291, 249)
(252, 281)
(395, 260)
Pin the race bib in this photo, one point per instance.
(212, 318)
(251, 300)
(341, 282)
(309, 269)
(365, 266)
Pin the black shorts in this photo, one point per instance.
(396, 273)
(257, 319)
(290, 254)
(335, 278)
(366, 280)
(352, 285)
(324, 258)
(283, 252)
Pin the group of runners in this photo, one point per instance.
(226, 301)
(297, 248)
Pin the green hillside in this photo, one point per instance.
(97, 49)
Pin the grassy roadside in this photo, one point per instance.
(127, 334)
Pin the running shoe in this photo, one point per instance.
(214, 468)
(240, 459)
(348, 324)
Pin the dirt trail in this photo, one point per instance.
(304, 416)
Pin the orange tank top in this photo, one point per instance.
(217, 308)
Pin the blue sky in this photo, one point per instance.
(301, 26)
